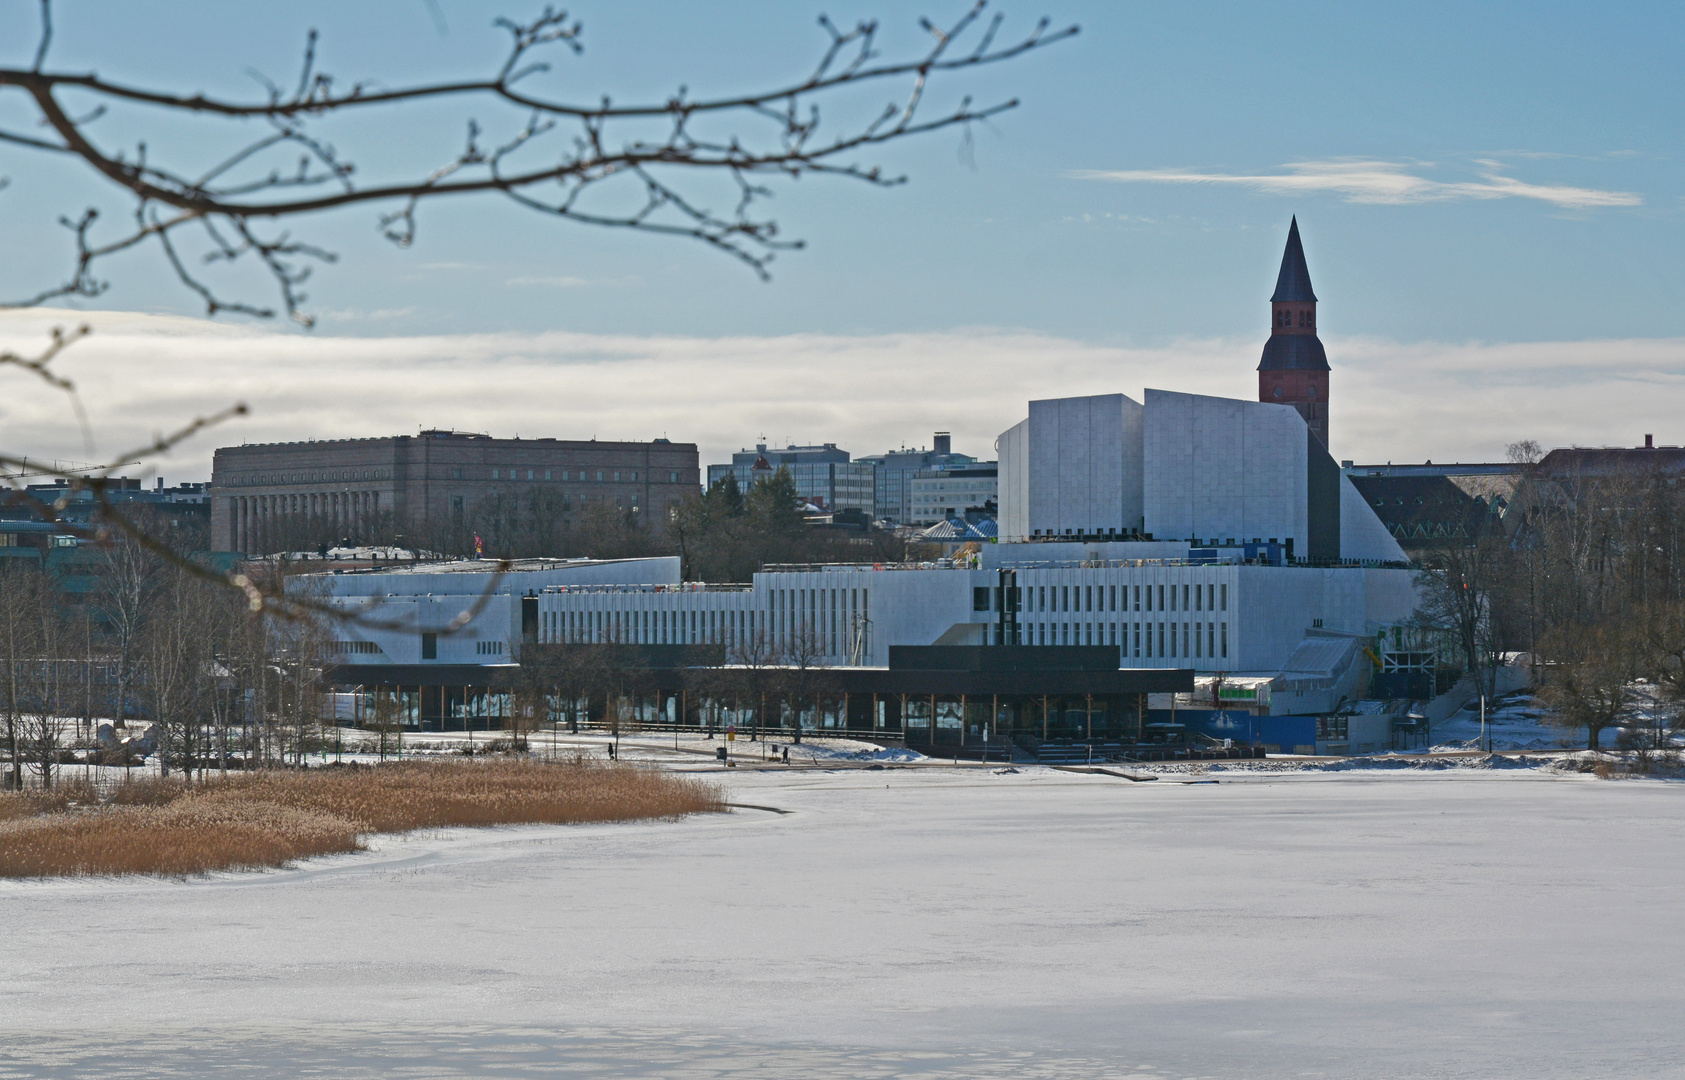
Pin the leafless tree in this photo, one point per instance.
(127, 573)
(804, 678)
(19, 650)
(754, 674)
(48, 676)
(1590, 682)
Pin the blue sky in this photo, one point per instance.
(1462, 173)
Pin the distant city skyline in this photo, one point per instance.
(866, 393)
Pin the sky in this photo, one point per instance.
(1490, 197)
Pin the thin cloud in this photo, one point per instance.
(1388, 183)
(550, 282)
(1390, 401)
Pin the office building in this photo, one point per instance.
(824, 475)
(897, 469)
(960, 491)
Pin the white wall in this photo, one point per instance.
(1084, 466)
(1224, 469)
(1013, 450)
(1362, 534)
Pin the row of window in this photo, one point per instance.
(1144, 641)
(430, 647)
(459, 502)
(353, 647)
(344, 475)
(1172, 597)
(1307, 319)
(600, 476)
(335, 476)
(831, 622)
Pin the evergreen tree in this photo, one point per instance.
(775, 507)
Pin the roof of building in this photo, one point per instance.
(1294, 281)
(1425, 511)
(1585, 461)
(959, 529)
(1293, 352)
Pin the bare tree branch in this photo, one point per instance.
(246, 186)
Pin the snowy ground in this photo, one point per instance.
(923, 922)
(1515, 722)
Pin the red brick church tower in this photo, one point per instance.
(1294, 370)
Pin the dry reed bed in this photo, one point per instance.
(270, 819)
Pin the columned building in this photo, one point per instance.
(1294, 370)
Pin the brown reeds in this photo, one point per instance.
(270, 819)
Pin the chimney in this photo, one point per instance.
(160, 483)
(944, 443)
(1649, 442)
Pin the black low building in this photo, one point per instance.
(929, 696)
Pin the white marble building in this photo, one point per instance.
(1183, 467)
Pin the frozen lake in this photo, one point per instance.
(929, 923)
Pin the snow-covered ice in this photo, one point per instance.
(909, 922)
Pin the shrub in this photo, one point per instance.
(268, 819)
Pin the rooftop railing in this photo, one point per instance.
(681, 587)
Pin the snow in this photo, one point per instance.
(1513, 722)
(929, 922)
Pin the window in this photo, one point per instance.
(529, 475)
(456, 474)
(429, 646)
(599, 476)
(672, 477)
(1224, 594)
(1278, 391)
(1225, 641)
(495, 474)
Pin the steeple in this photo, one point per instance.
(1294, 368)
(1294, 281)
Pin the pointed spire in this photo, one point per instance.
(1294, 281)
